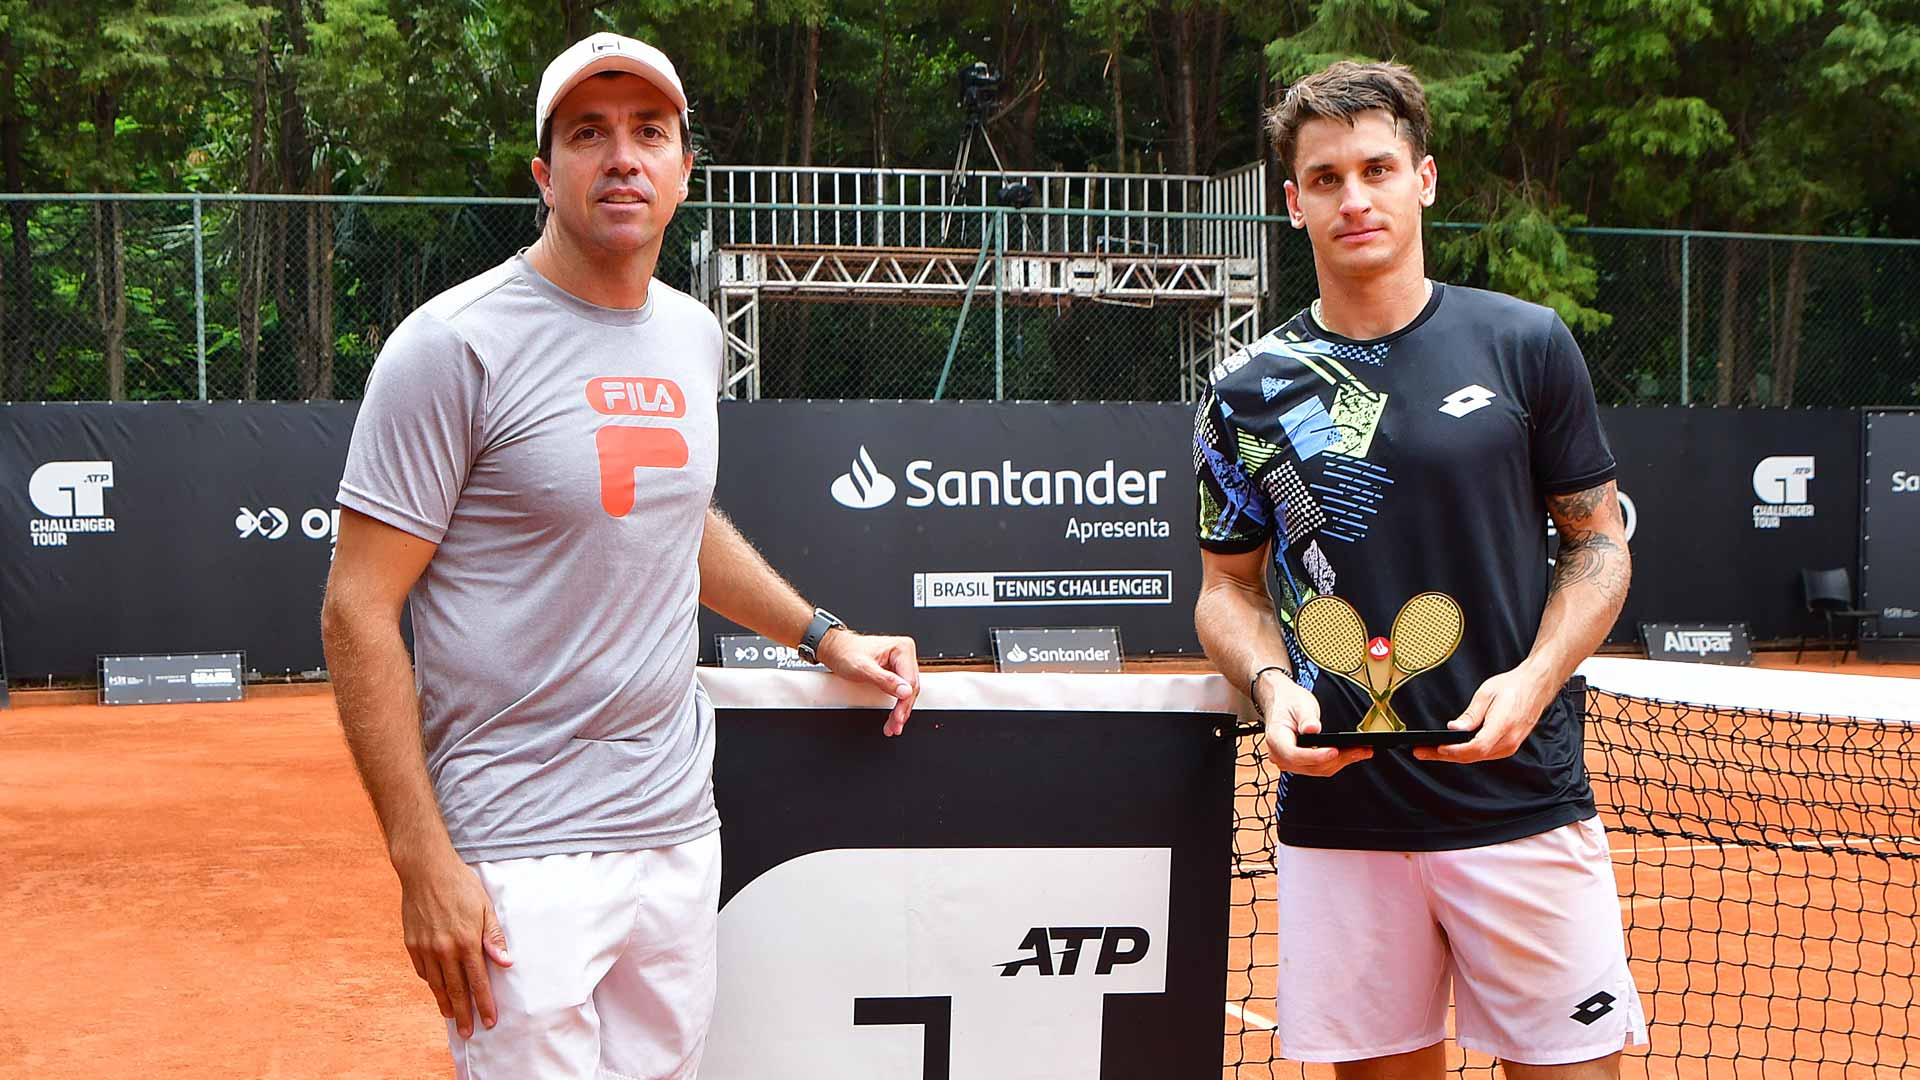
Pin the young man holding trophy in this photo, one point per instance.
(1388, 456)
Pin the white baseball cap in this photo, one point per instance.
(605, 52)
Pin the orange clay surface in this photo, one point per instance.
(200, 891)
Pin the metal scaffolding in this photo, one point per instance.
(892, 236)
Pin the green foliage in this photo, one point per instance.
(1772, 115)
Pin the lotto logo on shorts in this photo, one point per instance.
(1593, 1008)
(623, 396)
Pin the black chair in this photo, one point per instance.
(1830, 594)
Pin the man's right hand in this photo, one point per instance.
(1292, 710)
(451, 933)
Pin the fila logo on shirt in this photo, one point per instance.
(1467, 399)
(622, 396)
(623, 448)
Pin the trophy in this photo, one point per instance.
(1424, 635)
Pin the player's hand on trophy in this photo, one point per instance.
(1292, 710)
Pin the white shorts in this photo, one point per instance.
(1526, 932)
(613, 966)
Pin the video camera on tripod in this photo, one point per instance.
(979, 91)
(979, 97)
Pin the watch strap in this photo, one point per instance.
(823, 621)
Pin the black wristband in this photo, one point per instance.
(1253, 686)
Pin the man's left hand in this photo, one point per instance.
(890, 663)
(1501, 715)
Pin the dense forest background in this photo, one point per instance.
(1776, 116)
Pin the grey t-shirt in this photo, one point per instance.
(562, 456)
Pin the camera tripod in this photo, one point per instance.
(957, 180)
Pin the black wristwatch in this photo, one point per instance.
(823, 621)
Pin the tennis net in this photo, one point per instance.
(1765, 828)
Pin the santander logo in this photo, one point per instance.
(863, 486)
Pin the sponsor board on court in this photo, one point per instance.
(1003, 914)
(1057, 648)
(1706, 643)
(172, 678)
(1042, 588)
(756, 651)
(1889, 572)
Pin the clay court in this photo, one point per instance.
(200, 891)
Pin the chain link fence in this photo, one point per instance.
(273, 297)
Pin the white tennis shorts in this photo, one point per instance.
(1525, 935)
(613, 966)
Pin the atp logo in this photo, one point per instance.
(1119, 945)
(911, 967)
(1781, 484)
(864, 486)
(71, 489)
(1783, 480)
(71, 496)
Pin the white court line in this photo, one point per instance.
(1251, 1018)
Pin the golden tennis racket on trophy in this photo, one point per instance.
(1425, 633)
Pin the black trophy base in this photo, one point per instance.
(1389, 740)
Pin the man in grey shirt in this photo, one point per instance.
(532, 471)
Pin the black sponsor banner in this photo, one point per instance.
(172, 678)
(1726, 506)
(1890, 526)
(1036, 893)
(943, 518)
(167, 528)
(1699, 643)
(183, 527)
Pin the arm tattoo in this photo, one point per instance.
(1587, 555)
